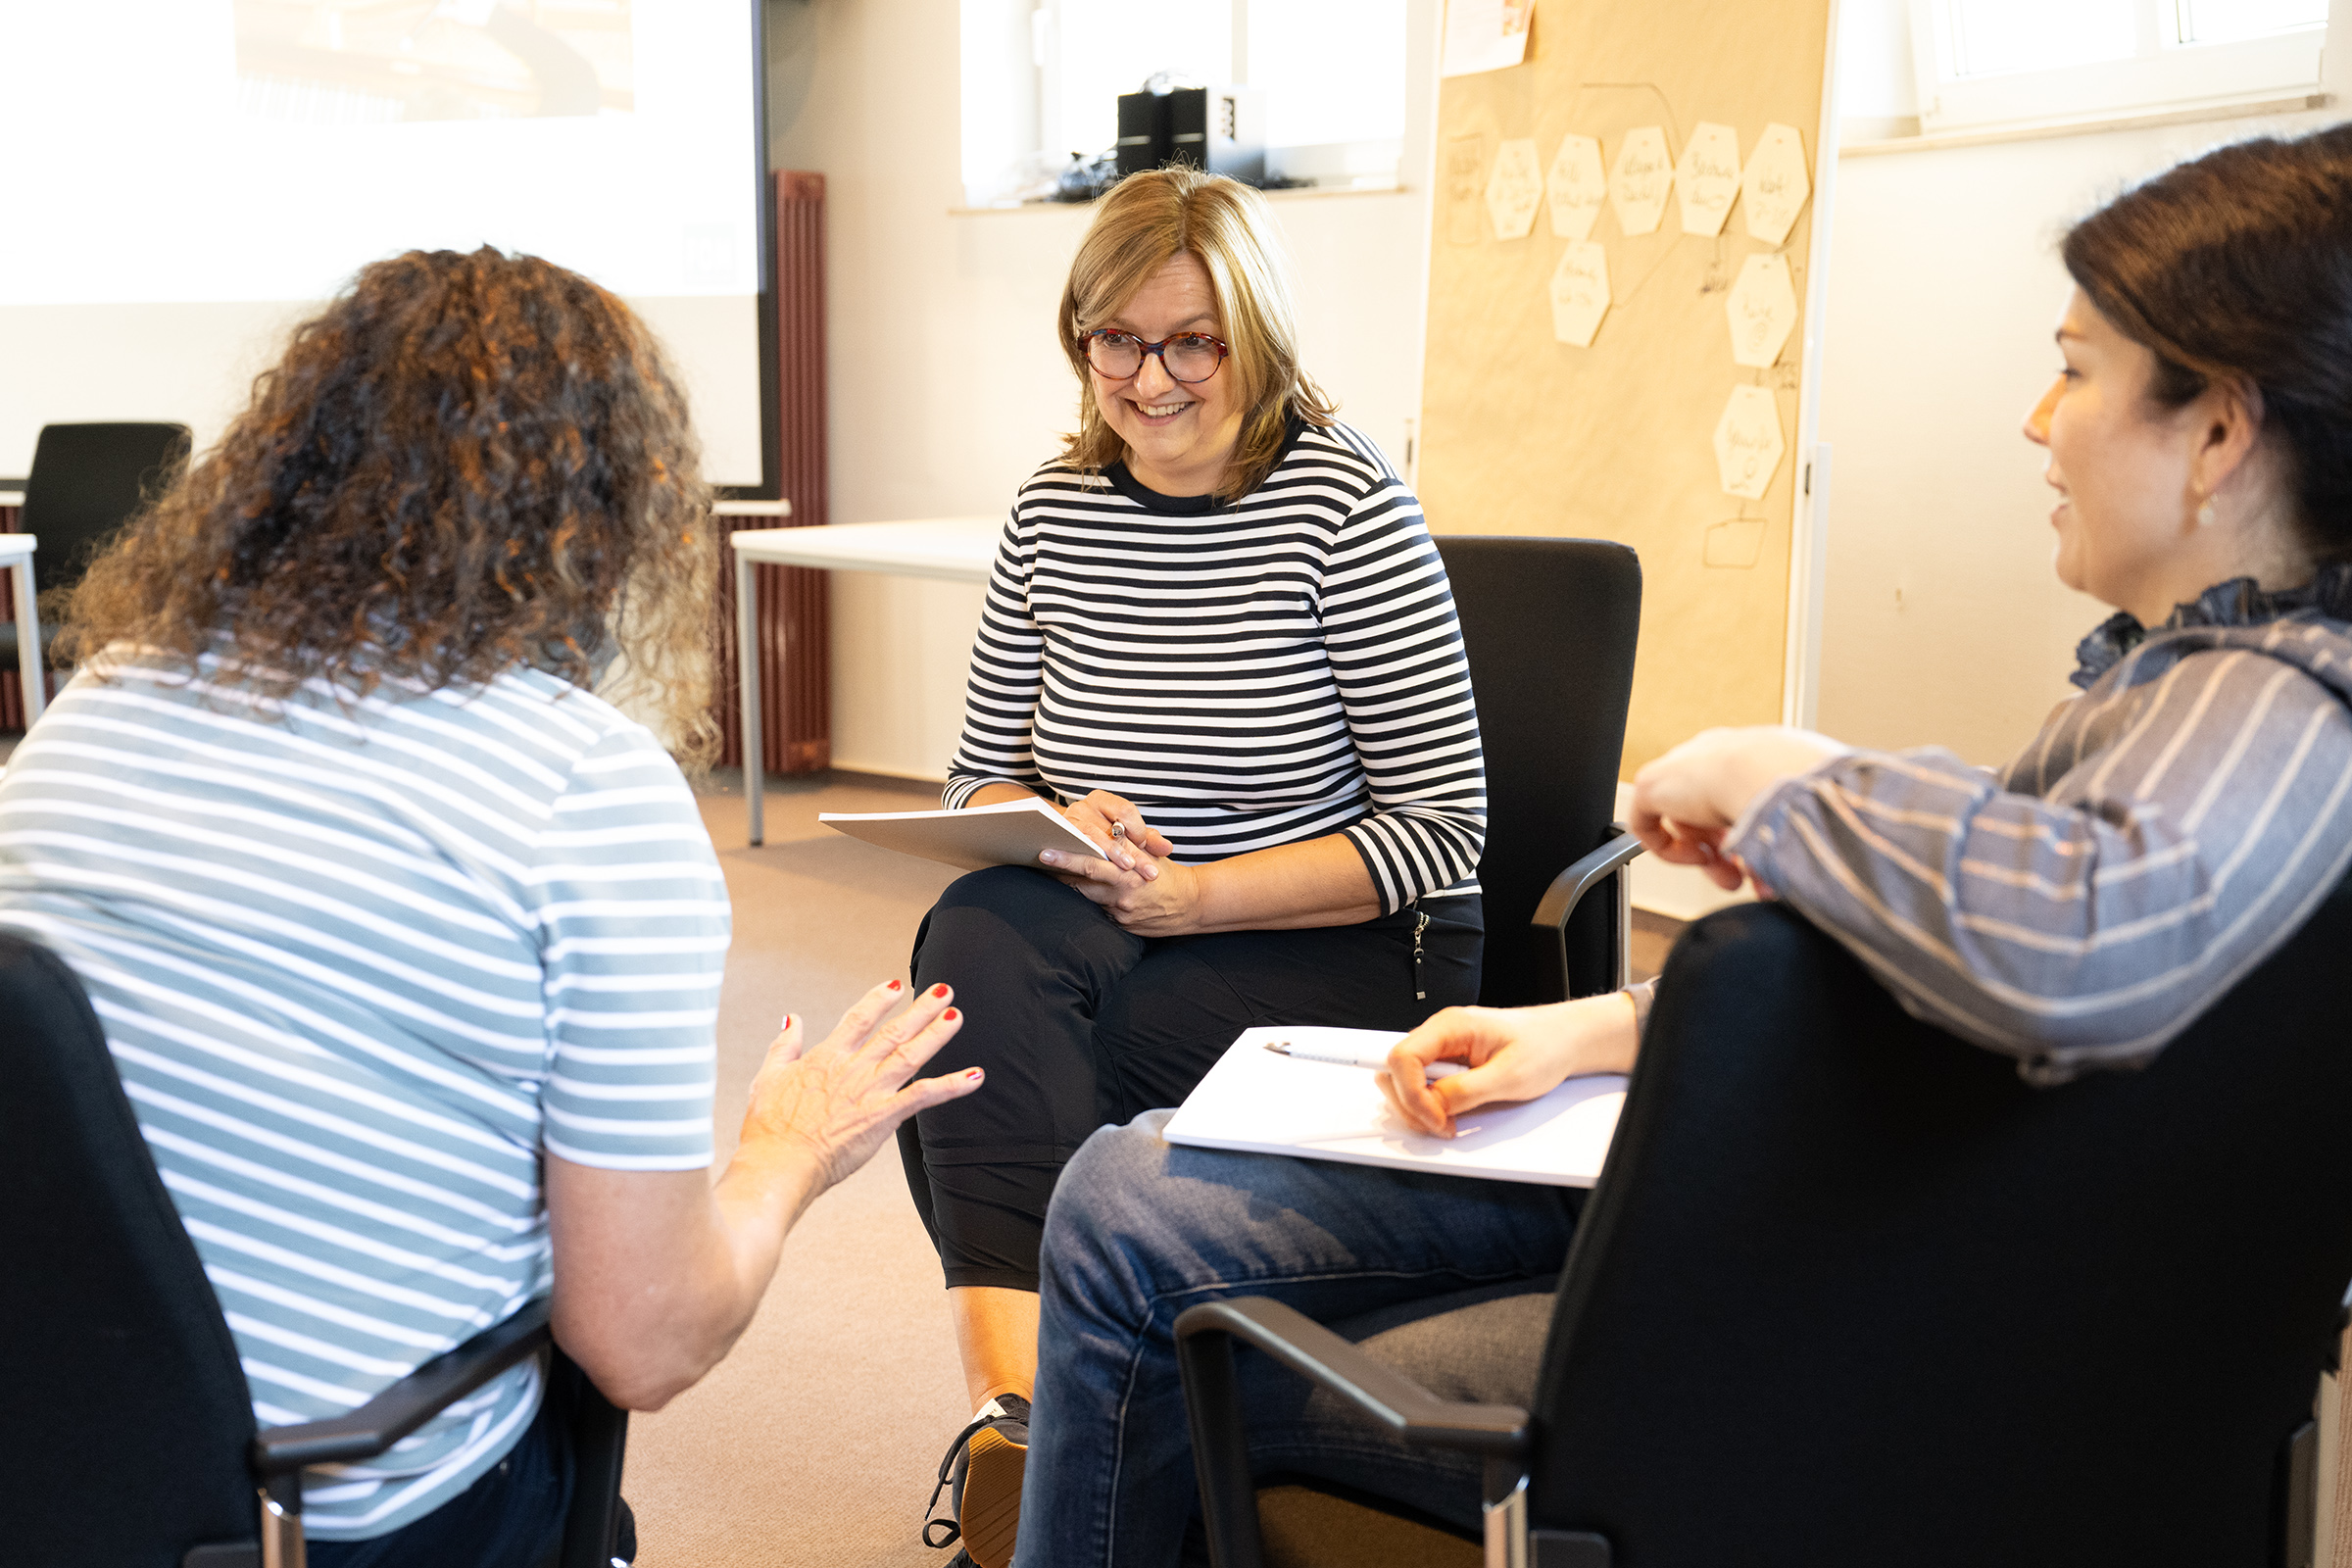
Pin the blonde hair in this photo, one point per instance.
(1145, 222)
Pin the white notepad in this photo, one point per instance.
(1008, 833)
(1260, 1103)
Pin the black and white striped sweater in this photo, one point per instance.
(1250, 675)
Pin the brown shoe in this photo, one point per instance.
(982, 1474)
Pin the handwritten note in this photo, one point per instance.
(1708, 179)
(1579, 292)
(1774, 188)
(1762, 306)
(1577, 187)
(1748, 442)
(1485, 35)
(1515, 189)
(1462, 167)
(1734, 542)
(1640, 179)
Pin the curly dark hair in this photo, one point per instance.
(466, 463)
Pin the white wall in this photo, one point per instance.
(947, 385)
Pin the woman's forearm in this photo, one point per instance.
(1291, 887)
(994, 794)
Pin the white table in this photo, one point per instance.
(16, 553)
(944, 549)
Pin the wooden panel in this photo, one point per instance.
(1525, 434)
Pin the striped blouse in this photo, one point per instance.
(1248, 673)
(2165, 833)
(359, 965)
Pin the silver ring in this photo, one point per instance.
(1118, 830)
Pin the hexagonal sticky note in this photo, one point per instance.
(1774, 187)
(1707, 178)
(1748, 442)
(1579, 292)
(1577, 187)
(1515, 189)
(1762, 306)
(1640, 179)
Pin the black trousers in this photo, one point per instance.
(1078, 1023)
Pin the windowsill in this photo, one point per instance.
(2087, 125)
(1294, 193)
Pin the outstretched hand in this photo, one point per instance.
(834, 1101)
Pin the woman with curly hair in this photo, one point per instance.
(405, 938)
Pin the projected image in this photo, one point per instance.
(384, 62)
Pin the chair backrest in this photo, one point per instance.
(1850, 1293)
(124, 1412)
(86, 481)
(1550, 626)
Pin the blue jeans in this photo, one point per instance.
(1140, 1229)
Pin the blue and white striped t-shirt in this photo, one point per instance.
(359, 963)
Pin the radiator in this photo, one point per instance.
(796, 720)
(12, 686)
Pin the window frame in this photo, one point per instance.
(2165, 74)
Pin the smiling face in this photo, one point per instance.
(1179, 437)
(2126, 470)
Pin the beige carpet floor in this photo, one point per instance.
(815, 1442)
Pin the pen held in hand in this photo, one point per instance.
(1283, 1048)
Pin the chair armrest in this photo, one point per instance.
(1560, 900)
(407, 1404)
(1204, 1336)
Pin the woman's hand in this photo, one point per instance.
(1094, 815)
(833, 1102)
(1151, 896)
(1513, 1054)
(1687, 801)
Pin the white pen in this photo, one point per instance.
(1283, 1048)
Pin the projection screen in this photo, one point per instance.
(185, 179)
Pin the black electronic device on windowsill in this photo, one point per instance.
(1222, 130)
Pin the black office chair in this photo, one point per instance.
(127, 1436)
(1849, 1292)
(86, 481)
(1550, 626)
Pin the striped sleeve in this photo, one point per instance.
(2085, 928)
(633, 921)
(1000, 710)
(1395, 651)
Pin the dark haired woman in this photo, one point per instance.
(1218, 638)
(406, 943)
(2165, 831)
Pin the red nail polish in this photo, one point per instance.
(939, 991)
(951, 1014)
(893, 986)
(974, 1074)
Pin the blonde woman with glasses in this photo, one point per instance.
(1218, 639)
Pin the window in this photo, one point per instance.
(1988, 62)
(1043, 77)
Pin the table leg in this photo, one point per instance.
(28, 642)
(746, 667)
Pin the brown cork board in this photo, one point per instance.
(1525, 434)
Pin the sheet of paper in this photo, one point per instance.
(1578, 187)
(1775, 186)
(1748, 442)
(1009, 833)
(1485, 35)
(1707, 178)
(1579, 292)
(1515, 189)
(1463, 171)
(1762, 306)
(1640, 180)
(1256, 1101)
